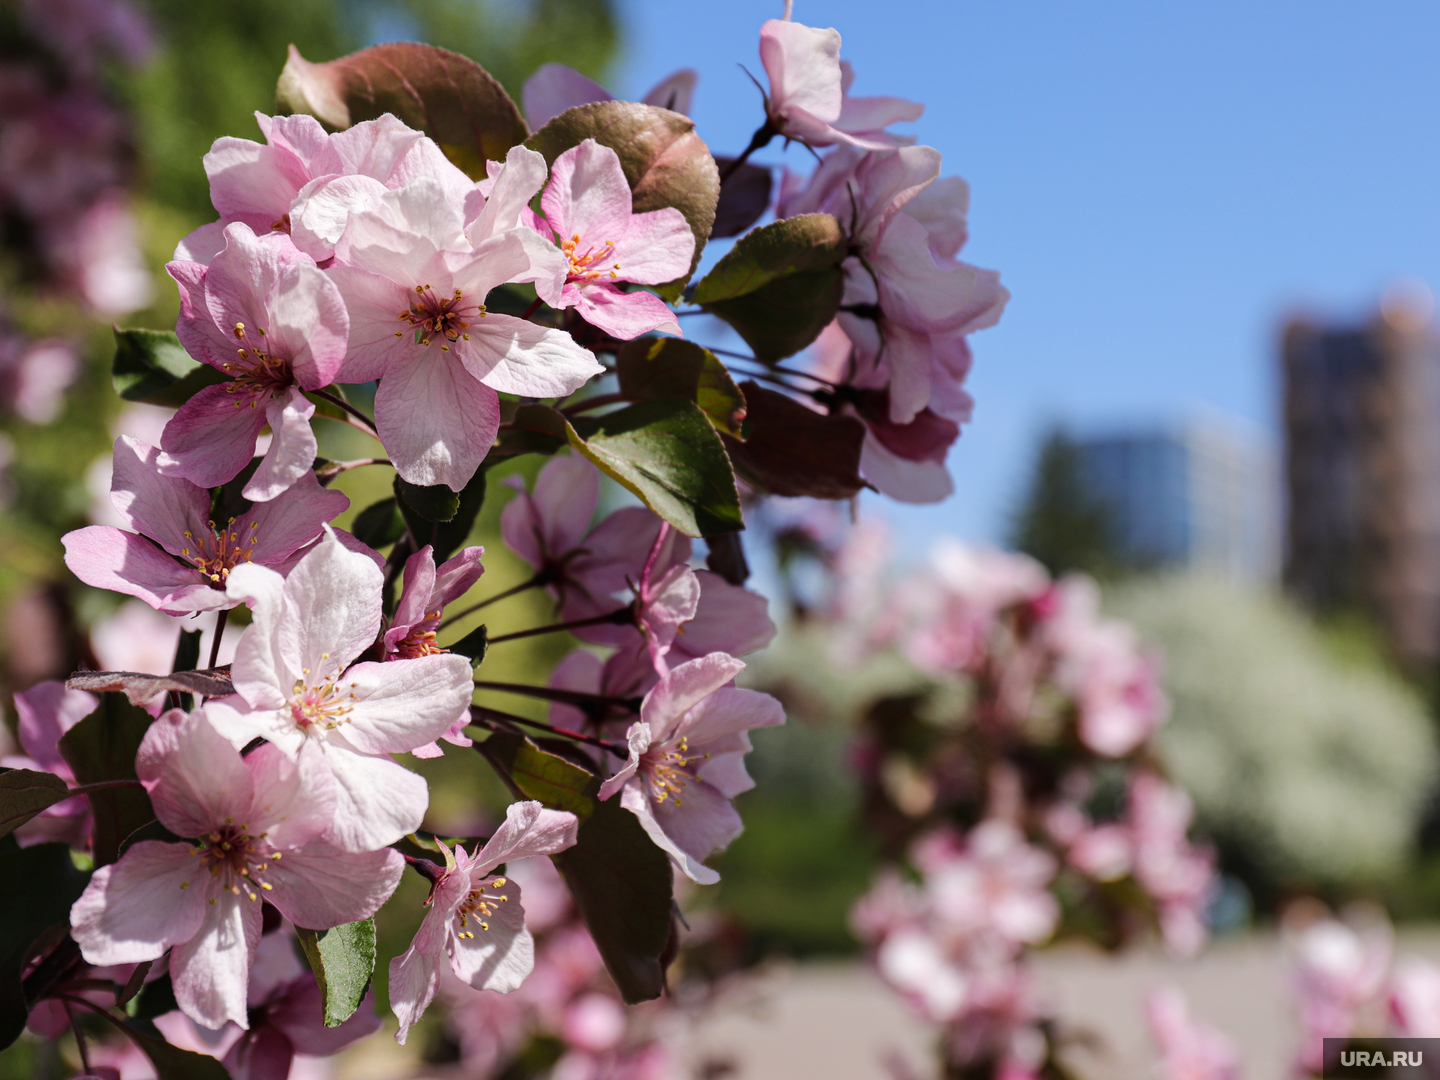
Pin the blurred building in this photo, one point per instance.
(1204, 495)
(1362, 471)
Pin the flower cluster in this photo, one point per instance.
(1023, 775)
(476, 295)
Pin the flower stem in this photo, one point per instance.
(538, 579)
(79, 1037)
(480, 714)
(578, 698)
(341, 403)
(624, 616)
(761, 139)
(220, 620)
(534, 307)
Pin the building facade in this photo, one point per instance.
(1362, 473)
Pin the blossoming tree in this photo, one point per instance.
(498, 289)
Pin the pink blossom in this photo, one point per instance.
(686, 760)
(107, 259)
(297, 685)
(1188, 1050)
(475, 918)
(916, 965)
(588, 206)
(301, 180)
(437, 408)
(264, 315)
(995, 884)
(1415, 999)
(1178, 875)
(1338, 970)
(554, 88)
(178, 560)
(34, 376)
(45, 712)
(422, 602)
(259, 821)
(808, 91)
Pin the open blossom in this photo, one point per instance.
(297, 685)
(476, 923)
(588, 206)
(909, 303)
(1188, 1050)
(45, 712)
(554, 88)
(1415, 999)
(258, 823)
(302, 180)
(687, 760)
(993, 884)
(179, 559)
(416, 287)
(422, 602)
(1338, 970)
(808, 91)
(1177, 874)
(264, 315)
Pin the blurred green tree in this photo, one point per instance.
(1060, 523)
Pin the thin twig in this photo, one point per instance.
(594, 403)
(220, 620)
(538, 579)
(566, 697)
(768, 367)
(79, 1038)
(103, 785)
(618, 617)
(481, 713)
(341, 403)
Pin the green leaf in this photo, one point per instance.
(448, 533)
(151, 366)
(155, 998)
(670, 367)
(379, 524)
(448, 96)
(621, 882)
(780, 285)
(666, 452)
(473, 646)
(170, 1062)
(343, 959)
(24, 793)
(665, 162)
(37, 886)
(103, 747)
(437, 503)
(792, 450)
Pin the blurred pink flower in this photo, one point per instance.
(1188, 1050)
(45, 712)
(1415, 999)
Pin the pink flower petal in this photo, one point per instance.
(194, 776)
(518, 357)
(553, 89)
(625, 315)
(436, 420)
(109, 558)
(135, 909)
(320, 886)
(212, 436)
(292, 451)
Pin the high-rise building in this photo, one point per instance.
(1362, 471)
(1203, 495)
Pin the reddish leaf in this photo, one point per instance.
(792, 450)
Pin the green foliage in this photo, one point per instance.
(24, 793)
(445, 535)
(780, 285)
(620, 881)
(448, 96)
(1060, 523)
(473, 646)
(102, 747)
(170, 1062)
(665, 162)
(151, 366)
(672, 367)
(664, 450)
(379, 524)
(343, 959)
(37, 886)
(792, 450)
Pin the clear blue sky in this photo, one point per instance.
(1158, 183)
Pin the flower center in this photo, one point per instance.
(434, 316)
(420, 641)
(479, 905)
(217, 554)
(582, 265)
(282, 225)
(668, 770)
(254, 373)
(325, 706)
(236, 857)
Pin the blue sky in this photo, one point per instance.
(1157, 183)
